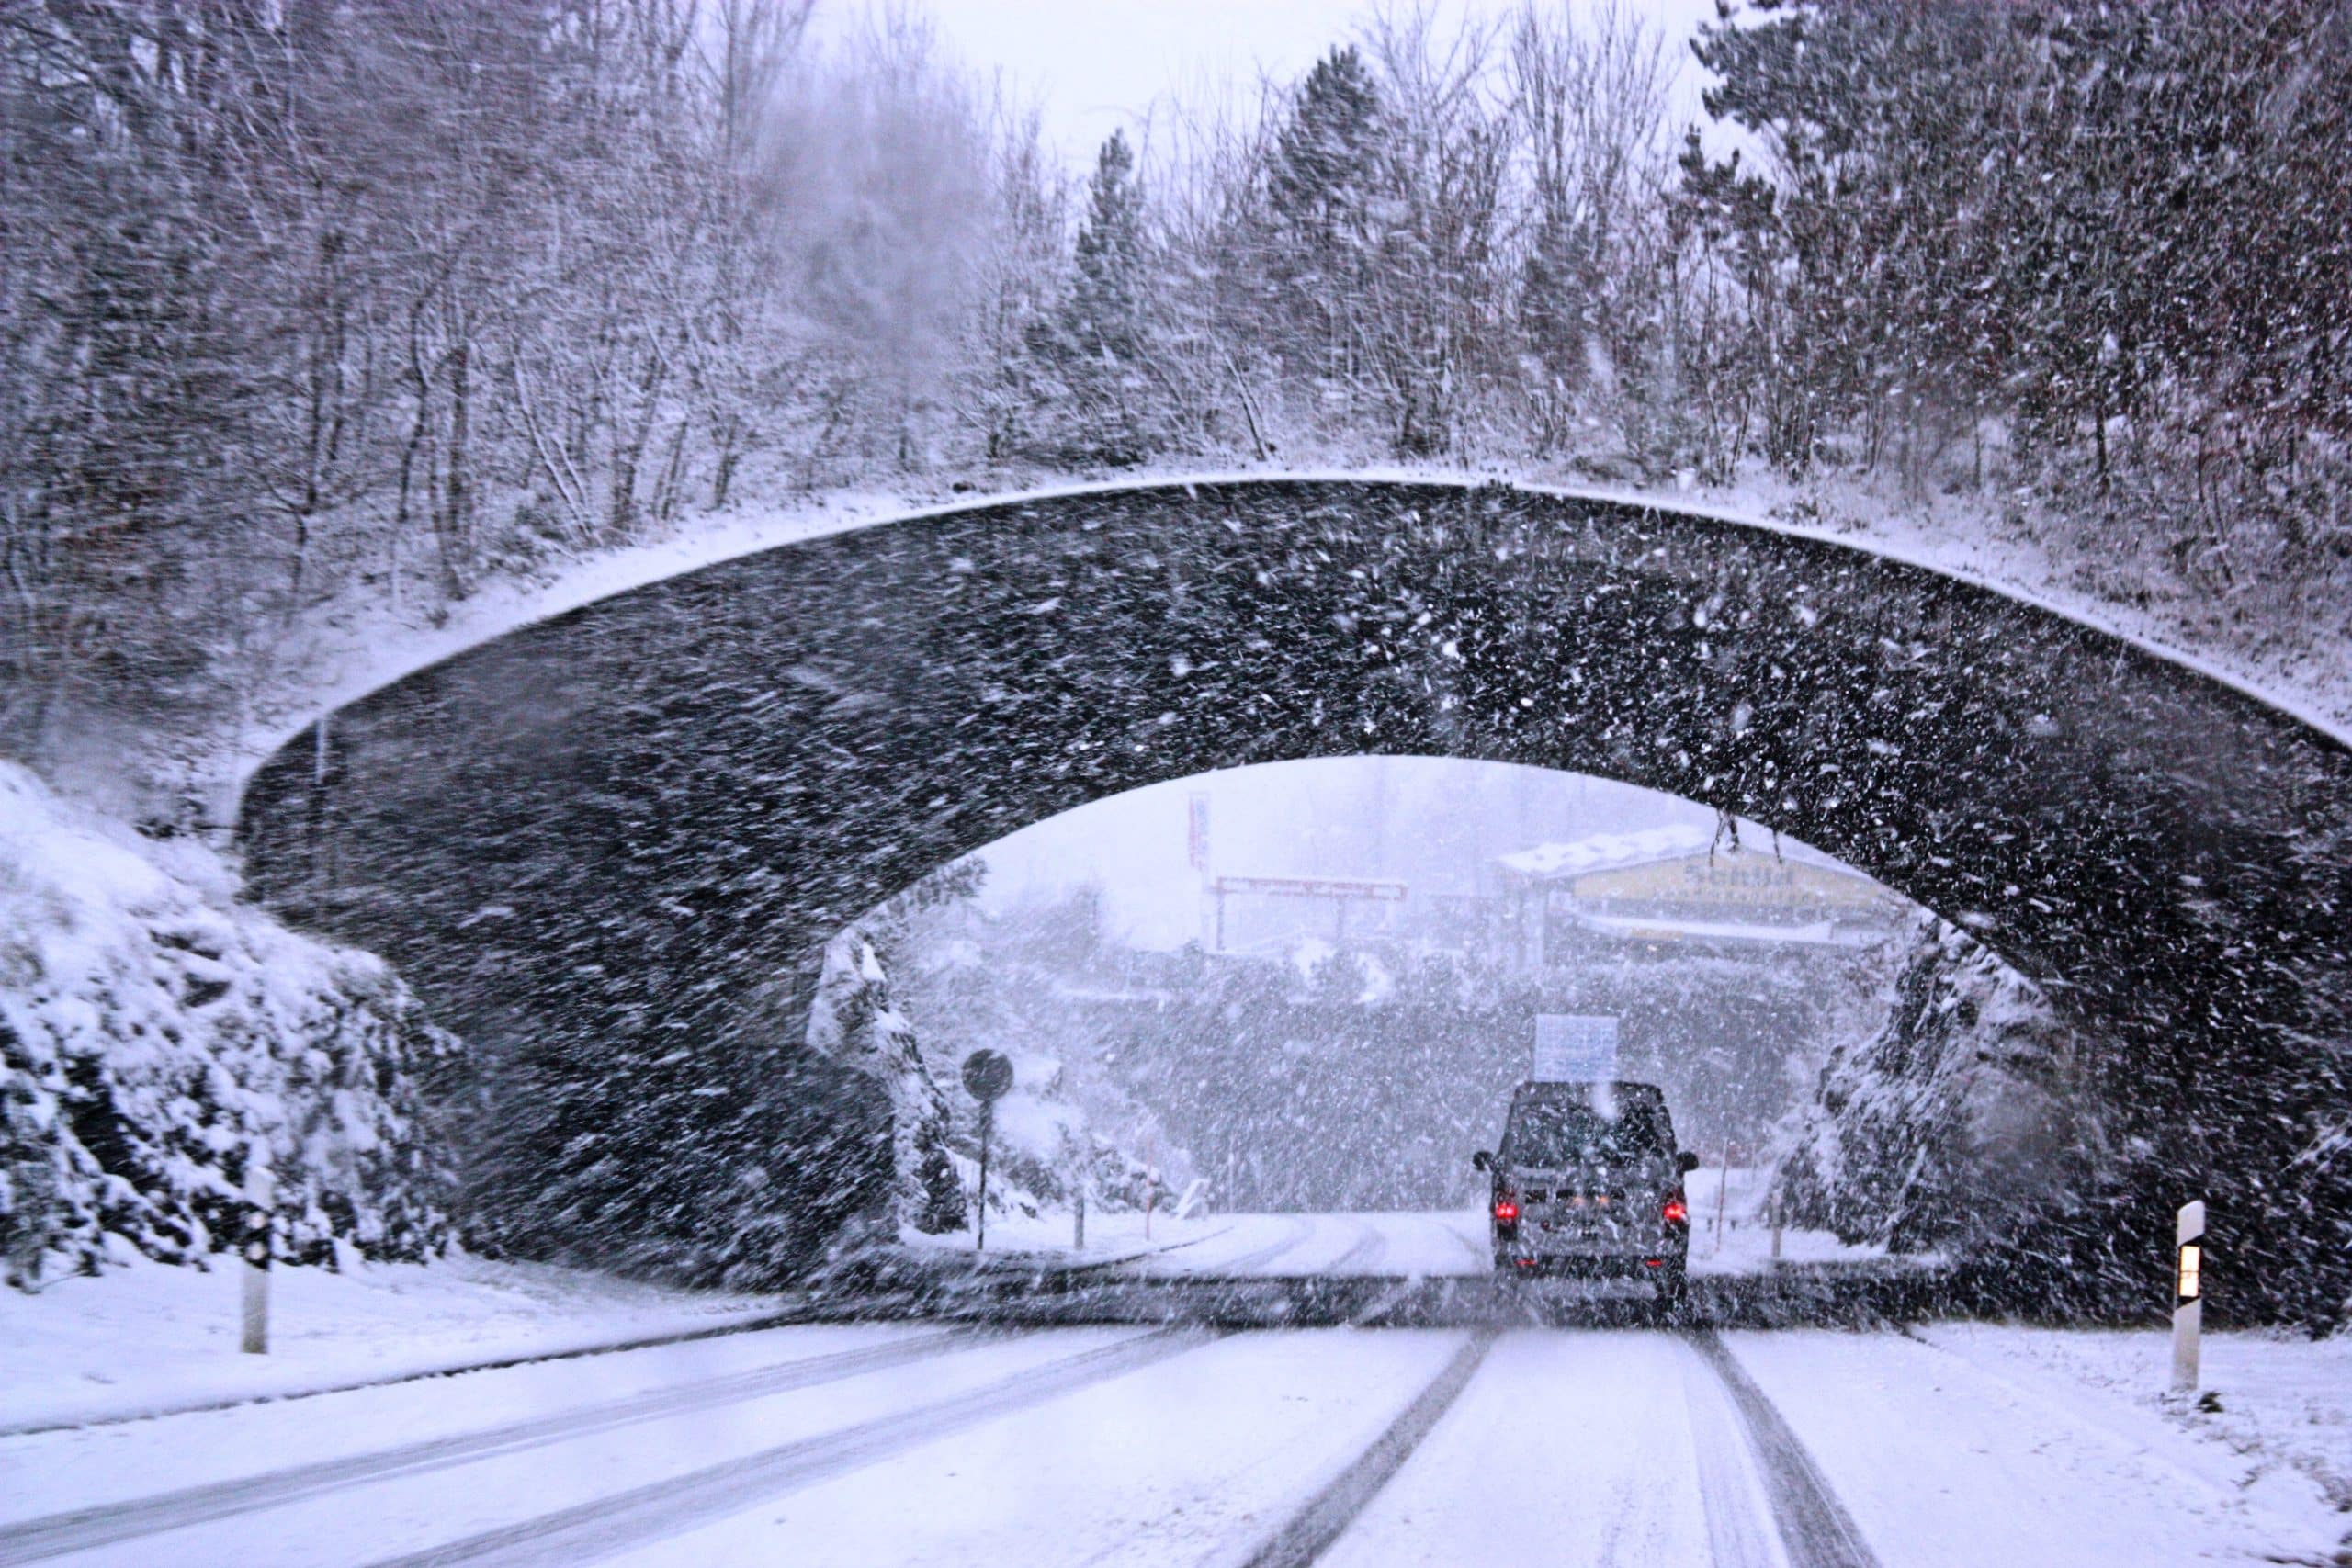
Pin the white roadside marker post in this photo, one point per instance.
(2188, 1295)
(260, 1193)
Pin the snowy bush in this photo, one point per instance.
(154, 1035)
(852, 1021)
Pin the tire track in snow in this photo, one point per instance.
(1363, 1254)
(760, 1323)
(1300, 1229)
(1479, 1253)
(80, 1530)
(1731, 1493)
(1308, 1533)
(1814, 1527)
(606, 1526)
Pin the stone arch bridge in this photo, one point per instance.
(626, 829)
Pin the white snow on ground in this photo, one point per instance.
(383, 1518)
(348, 650)
(1945, 1458)
(1566, 1448)
(49, 1471)
(2276, 1400)
(1960, 1445)
(1048, 1239)
(1191, 1461)
(149, 1336)
(1405, 1245)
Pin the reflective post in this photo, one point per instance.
(259, 1196)
(2187, 1294)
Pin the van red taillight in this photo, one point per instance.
(1506, 1210)
(1677, 1213)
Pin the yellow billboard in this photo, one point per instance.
(1742, 882)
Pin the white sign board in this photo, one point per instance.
(1572, 1049)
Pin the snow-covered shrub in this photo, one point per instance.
(154, 1035)
(953, 981)
(1954, 1122)
(1032, 985)
(852, 1020)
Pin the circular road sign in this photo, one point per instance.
(987, 1073)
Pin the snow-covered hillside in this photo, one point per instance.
(1957, 1118)
(157, 1039)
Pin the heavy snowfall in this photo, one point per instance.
(1513, 781)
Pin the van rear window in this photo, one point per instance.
(1566, 1132)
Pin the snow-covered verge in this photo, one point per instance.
(1047, 1236)
(1957, 1118)
(146, 1338)
(2280, 1402)
(2013, 1444)
(156, 1037)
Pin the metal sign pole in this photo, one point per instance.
(987, 1075)
(987, 1126)
(2187, 1294)
(1723, 1189)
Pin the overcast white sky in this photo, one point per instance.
(1094, 66)
(1428, 821)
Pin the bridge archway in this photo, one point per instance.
(596, 832)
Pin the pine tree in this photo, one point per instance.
(1320, 195)
(1327, 161)
(1098, 344)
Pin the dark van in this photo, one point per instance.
(1589, 1181)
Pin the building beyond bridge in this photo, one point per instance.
(1672, 889)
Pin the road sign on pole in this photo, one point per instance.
(1570, 1048)
(987, 1075)
(2187, 1294)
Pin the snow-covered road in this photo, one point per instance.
(906, 1444)
(1414, 1245)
